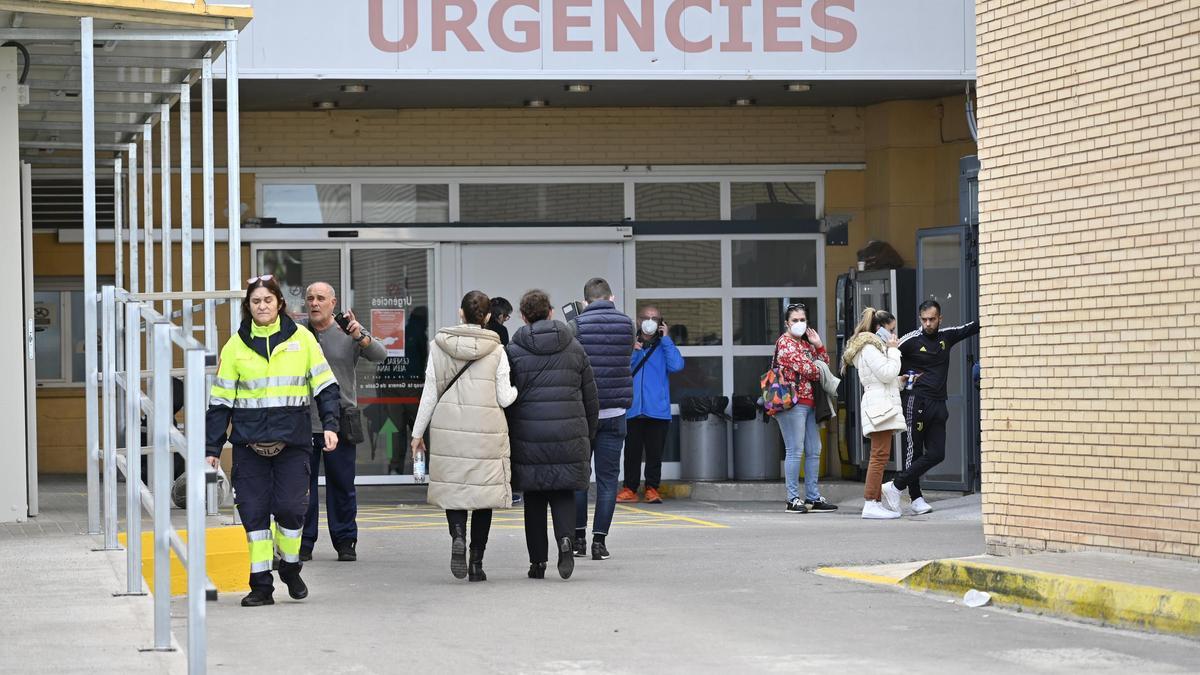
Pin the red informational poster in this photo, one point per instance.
(388, 327)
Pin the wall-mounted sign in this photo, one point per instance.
(388, 327)
(611, 39)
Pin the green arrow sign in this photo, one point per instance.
(388, 430)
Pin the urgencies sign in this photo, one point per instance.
(611, 39)
(517, 26)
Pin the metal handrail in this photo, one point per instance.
(156, 406)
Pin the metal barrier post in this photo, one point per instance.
(109, 346)
(197, 474)
(161, 358)
(88, 125)
(133, 449)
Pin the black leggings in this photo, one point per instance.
(481, 525)
(562, 508)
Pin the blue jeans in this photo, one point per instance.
(801, 440)
(606, 452)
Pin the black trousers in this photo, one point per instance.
(562, 509)
(481, 525)
(924, 443)
(272, 486)
(645, 436)
(341, 500)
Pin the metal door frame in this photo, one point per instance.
(966, 481)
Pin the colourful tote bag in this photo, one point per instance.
(777, 395)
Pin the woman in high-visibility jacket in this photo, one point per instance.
(267, 377)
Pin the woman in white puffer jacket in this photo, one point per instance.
(878, 367)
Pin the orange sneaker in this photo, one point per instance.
(626, 495)
(652, 496)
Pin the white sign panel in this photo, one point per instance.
(611, 39)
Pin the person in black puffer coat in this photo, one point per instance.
(550, 428)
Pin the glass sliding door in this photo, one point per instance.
(390, 291)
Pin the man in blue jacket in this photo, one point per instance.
(607, 335)
(654, 358)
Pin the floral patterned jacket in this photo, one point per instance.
(796, 360)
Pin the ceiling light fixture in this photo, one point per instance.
(743, 101)
(578, 88)
(354, 88)
(797, 87)
(325, 105)
(536, 103)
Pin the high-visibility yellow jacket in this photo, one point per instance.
(266, 380)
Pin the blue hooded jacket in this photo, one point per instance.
(652, 384)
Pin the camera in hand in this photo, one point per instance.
(343, 322)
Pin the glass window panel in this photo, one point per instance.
(677, 201)
(546, 202)
(759, 321)
(392, 299)
(383, 203)
(295, 269)
(747, 373)
(312, 204)
(701, 376)
(690, 322)
(775, 262)
(773, 201)
(47, 340)
(678, 264)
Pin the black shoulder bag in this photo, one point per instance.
(643, 361)
(452, 381)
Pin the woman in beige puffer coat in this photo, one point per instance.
(467, 386)
(878, 366)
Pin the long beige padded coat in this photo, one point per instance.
(468, 446)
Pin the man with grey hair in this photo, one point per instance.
(344, 341)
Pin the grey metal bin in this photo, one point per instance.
(757, 449)
(703, 439)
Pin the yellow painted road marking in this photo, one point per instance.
(421, 517)
(671, 516)
(857, 575)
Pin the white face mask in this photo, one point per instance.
(649, 326)
(799, 328)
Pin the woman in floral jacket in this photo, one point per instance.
(797, 351)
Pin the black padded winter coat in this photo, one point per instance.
(551, 425)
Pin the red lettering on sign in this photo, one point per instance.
(642, 33)
(565, 21)
(461, 27)
(529, 28)
(375, 27)
(845, 27)
(737, 37)
(772, 23)
(675, 26)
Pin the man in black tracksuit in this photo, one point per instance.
(926, 353)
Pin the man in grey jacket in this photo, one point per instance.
(343, 344)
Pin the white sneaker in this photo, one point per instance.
(891, 497)
(920, 507)
(876, 511)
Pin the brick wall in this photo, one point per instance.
(1089, 114)
(563, 136)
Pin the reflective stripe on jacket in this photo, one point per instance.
(267, 378)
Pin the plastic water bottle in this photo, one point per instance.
(419, 466)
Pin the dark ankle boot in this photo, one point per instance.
(458, 552)
(566, 557)
(537, 570)
(258, 598)
(475, 570)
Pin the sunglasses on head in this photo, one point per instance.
(795, 306)
(265, 277)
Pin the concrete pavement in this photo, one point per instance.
(676, 597)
